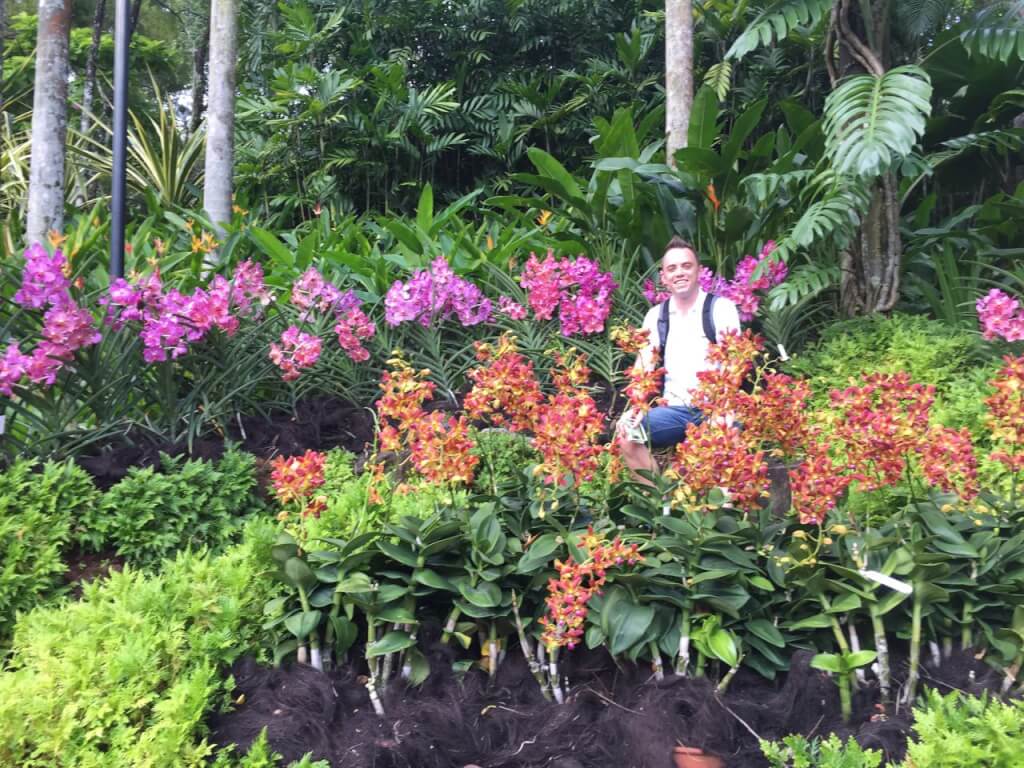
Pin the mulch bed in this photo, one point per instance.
(613, 717)
(84, 567)
(318, 423)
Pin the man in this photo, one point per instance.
(692, 316)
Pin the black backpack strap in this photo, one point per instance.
(662, 331)
(707, 318)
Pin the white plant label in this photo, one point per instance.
(888, 581)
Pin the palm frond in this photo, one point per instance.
(997, 32)
(775, 22)
(719, 78)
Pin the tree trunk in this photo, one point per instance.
(220, 113)
(871, 263)
(678, 74)
(199, 57)
(136, 9)
(49, 121)
(89, 88)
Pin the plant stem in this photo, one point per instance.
(843, 681)
(524, 643)
(844, 647)
(700, 664)
(556, 683)
(882, 650)
(683, 658)
(371, 680)
(659, 670)
(316, 659)
(492, 651)
(915, 644)
(724, 682)
(966, 635)
(449, 626)
(855, 646)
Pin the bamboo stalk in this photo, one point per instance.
(915, 645)
(371, 680)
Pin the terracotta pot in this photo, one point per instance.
(691, 757)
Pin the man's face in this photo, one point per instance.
(679, 268)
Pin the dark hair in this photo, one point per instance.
(678, 242)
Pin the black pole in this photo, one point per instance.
(122, 38)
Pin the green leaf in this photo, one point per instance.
(859, 658)
(829, 662)
(303, 623)
(419, 667)
(626, 623)
(398, 552)
(345, 633)
(767, 632)
(775, 22)
(299, 574)
(272, 246)
(548, 166)
(433, 579)
(486, 531)
(703, 129)
(425, 209)
(539, 554)
(392, 642)
(484, 595)
(355, 582)
(818, 621)
(873, 122)
(722, 645)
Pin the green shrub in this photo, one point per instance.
(958, 731)
(930, 351)
(503, 457)
(38, 512)
(127, 675)
(149, 514)
(797, 752)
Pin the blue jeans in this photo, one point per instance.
(667, 424)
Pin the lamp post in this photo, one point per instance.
(122, 39)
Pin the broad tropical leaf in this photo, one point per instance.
(775, 22)
(871, 122)
(997, 32)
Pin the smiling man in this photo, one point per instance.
(681, 329)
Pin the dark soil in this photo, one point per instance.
(84, 567)
(613, 718)
(318, 424)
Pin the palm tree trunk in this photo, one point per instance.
(49, 121)
(89, 88)
(678, 74)
(220, 113)
(199, 57)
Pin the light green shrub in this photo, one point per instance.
(38, 514)
(958, 731)
(929, 350)
(797, 752)
(127, 675)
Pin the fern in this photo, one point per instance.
(719, 78)
(775, 22)
(804, 282)
(870, 122)
(997, 32)
(833, 218)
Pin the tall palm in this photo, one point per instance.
(49, 121)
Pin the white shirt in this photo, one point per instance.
(686, 350)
